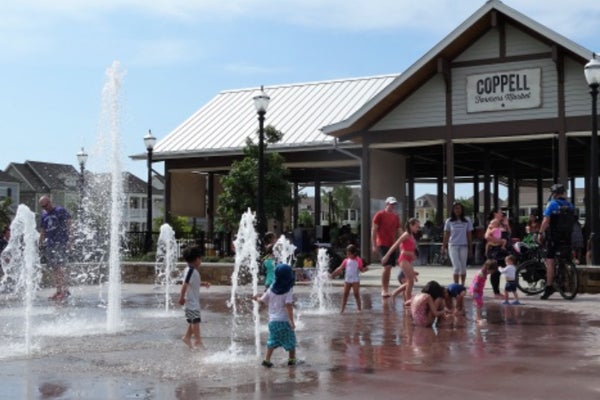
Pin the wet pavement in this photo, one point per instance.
(539, 350)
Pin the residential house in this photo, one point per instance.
(62, 183)
(426, 206)
(10, 189)
(37, 178)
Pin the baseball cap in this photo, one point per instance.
(557, 188)
(391, 200)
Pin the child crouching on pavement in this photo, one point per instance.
(281, 314)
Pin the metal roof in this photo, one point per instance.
(298, 110)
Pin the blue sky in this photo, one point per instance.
(177, 55)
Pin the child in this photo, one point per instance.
(494, 230)
(281, 314)
(477, 285)
(454, 297)
(402, 288)
(269, 266)
(408, 245)
(510, 272)
(426, 306)
(190, 295)
(353, 265)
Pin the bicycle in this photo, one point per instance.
(531, 275)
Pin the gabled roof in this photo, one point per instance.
(449, 48)
(131, 183)
(430, 200)
(55, 176)
(4, 177)
(25, 175)
(297, 110)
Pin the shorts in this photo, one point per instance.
(393, 257)
(192, 316)
(281, 334)
(510, 287)
(56, 255)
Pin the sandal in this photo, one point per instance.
(267, 364)
(292, 361)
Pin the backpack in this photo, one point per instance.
(561, 223)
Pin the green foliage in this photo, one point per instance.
(305, 219)
(240, 186)
(468, 206)
(6, 213)
(341, 199)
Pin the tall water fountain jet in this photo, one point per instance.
(246, 263)
(111, 122)
(166, 260)
(283, 251)
(320, 294)
(21, 265)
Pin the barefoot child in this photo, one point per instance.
(402, 288)
(454, 297)
(269, 266)
(281, 314)
(190, 295)
(510, 274)
(354, 266)
(408, 244)
(477, 285)
(428, 305)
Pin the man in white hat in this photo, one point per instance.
(386, 228)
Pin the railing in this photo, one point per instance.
(217, 247)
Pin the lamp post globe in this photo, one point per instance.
(261, 102)
(592, 76)
(82, 157)
(149, 142)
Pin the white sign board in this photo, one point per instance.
(506, 90)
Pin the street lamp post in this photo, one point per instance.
(82, 157)
(149, 141)
(261, 102)
(592, 75)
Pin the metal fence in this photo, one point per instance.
(219, 246)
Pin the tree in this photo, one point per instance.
(240, 186)
(337, 201)
(6, 212)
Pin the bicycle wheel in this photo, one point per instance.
(531, 277)
(567, 280)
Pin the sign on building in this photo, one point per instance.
(506, 90)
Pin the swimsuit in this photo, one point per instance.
(408, 246)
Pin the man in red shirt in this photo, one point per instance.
(386, 228)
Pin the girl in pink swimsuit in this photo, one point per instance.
(428, 305)
(407, 243)
(478, 283)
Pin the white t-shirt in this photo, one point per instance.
(192, 295)
(352, 267)
(510, 271)
(458, 231)
(277, 302)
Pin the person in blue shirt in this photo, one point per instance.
(553, 243)
(55, 240)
